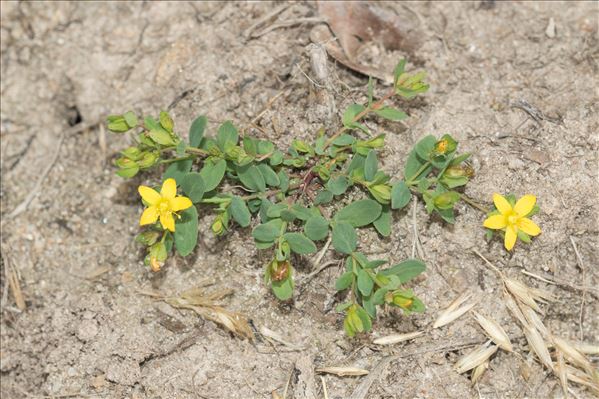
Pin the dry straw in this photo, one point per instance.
(495, 332)
(396, 338)
(454, 310)
(475, 358)
(342, 371)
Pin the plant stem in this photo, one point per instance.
(269, 193)
(473, 203)
(411, 181)
(366, 110)
(176, 159)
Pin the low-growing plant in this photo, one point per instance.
(295, 195)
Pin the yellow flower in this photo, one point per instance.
(162, 205)
(513, 219)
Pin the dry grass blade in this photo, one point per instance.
(534, 319)
(586, 347)
(268, 333)
(573, 355)
(514, 309)
(578, 377)
(560, 369)
(396, 338)
(495, 332)
(205, 305)
(342, 371)
(521, 292)
(475, 358)
(453, 311)
(478, 372)
(537, 344)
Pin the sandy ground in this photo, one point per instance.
(86, 331)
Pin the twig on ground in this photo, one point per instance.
(554, 281)
(416, 246)
(362, 389)
(324, 388)
(271, 15)
(584, 292)
(287, 23)
(322, 252)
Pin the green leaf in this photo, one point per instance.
(213, 173)
(459, 159)
(523, 236)
(301, 212)
(130, 119)
(283, 289)
(178, 170)
(400, 195)
(323, 197)
(128, 172)
(196, 131)
(453, 181)
(240, 211)
(357, 162)
(425, 146)
(365, 319)
(365, 283)
(391, 114)
(166, 121)
(383, 223)
(180, 150)
(151, 124)
(227, 136)
(344, 281)
(265, 204)
(299, 243)
(250, 145)
(406, 270)
(186, 231)
(161, 137)
(373, 264)
(398, 71)
(345, 239)
(269, 175)
(251, 177)
(344, 139)
(350, 114)
(269, 231)
(371, 165)
(338, 185)
(193, 186)
(360, 213)
(316, 228)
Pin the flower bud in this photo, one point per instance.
(155, 265)
(148, 237)
(446, 200)
(279, 270)
(459, 171)
(218, 227)
(125, 163)
(148, 159)
(376, 142)
(445, 146)
(132, 153)
(301, 146)
(381, 192)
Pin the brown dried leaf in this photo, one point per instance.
(356, 22)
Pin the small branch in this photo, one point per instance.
(473, 203)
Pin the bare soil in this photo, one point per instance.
(86, 331)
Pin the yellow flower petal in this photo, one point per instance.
(510, 237)
(149, 195)
(169, 189)
(167, 221)
(529, 227)
(525, 205)
(180, 203)
(502, 205)
(149, 216)
(495, 222)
